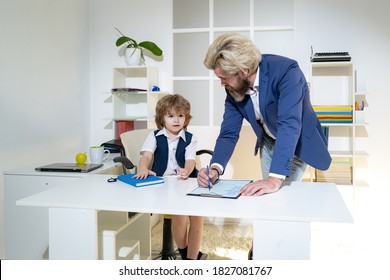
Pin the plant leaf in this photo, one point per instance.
(122, 40)
(152, 47)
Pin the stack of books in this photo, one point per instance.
(334, 114)
(339, 172)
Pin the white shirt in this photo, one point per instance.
(253, 93)
(150, 145)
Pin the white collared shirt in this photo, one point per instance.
(150, 145)
(253, 93)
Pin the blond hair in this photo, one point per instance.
(232, 53)
(172, 104)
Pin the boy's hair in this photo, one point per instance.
(232, 53)
(172, 104)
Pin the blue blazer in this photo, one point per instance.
(285, 106)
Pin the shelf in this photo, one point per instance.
(338, 154)
(337, 124)
(124, 92)
(131, 118)
(344, 124)
(361, 154)
(361, 124)
(332, 64)
(361, 93)
(333, 84)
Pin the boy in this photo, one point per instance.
(172, 150)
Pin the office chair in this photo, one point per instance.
(132, 142)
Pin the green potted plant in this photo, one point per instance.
(133, 47)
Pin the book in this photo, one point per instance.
(333, 114)
(223, 189)
(127, 89)
(151, 180)
(339, 172)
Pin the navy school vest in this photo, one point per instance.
(161, 154)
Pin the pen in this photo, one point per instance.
(208, 175)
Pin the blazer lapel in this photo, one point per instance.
(263, 82)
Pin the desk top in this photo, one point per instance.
(308, 202)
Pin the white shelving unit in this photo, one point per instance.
(333, 84)
(135, 106)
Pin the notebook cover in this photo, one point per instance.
(151, 180)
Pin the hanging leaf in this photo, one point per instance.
(152, 47)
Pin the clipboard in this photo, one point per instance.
(223, 189)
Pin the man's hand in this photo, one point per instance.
(203, 178)
(261, 187)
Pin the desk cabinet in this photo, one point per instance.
(27, 228)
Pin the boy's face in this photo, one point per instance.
(174, 122)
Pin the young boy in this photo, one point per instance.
(172, 150)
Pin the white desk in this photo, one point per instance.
(281, 221)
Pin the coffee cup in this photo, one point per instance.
(98, 154)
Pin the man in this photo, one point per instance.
(271, 93)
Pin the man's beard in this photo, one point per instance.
(239, 93)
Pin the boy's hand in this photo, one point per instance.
(182, 173)
(143, 174)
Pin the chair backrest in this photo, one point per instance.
(132, 142)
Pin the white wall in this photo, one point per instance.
(147, 20)
(44, 83)
(44, 75)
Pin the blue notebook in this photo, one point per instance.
(151, 180)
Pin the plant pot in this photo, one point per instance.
(133, 57)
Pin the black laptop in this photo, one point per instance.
(69, 167)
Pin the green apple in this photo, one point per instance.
(81, 158)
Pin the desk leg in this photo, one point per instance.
(73, 234)
(281, 240)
